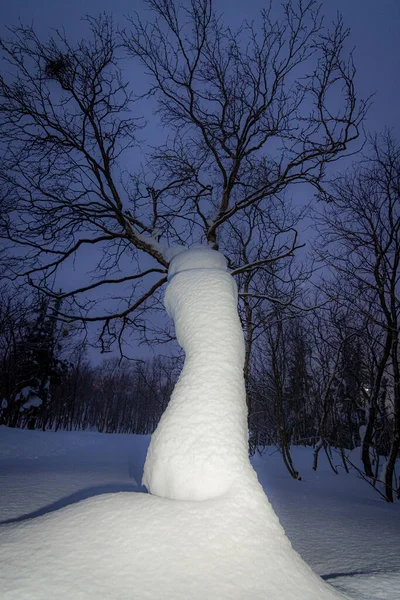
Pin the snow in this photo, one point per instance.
(200, 446)
(25, 392)
(338, 523)
(207, 530)
(198, 257)
(31, 398)
(142, 546)
(33, 401)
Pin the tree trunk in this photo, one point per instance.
(368, 439)
(391, 463)
(200, 446)
(317, 449)
(395, 444)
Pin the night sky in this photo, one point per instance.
(375, 27)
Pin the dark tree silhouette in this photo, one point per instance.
(250, 113)
(362, 230)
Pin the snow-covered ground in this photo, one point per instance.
(339, 525)
(74, 530)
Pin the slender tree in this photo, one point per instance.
(362, 228)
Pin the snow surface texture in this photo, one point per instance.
(200, 445)
(209, 532)
(339, 524)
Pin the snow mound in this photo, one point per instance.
(140, 547)
(208, 532)
(200, 446)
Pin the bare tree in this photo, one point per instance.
(331, 336)
(362, 229)
(249, 113)
(15, 312)
(277, 338)
(275, 283)
(65, 122)
(117, 396)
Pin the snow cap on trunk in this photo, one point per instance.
(197, 257)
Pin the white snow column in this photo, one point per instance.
(200, 445)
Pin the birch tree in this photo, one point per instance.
(362, 230)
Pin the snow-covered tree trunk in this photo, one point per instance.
(199, 451)
(200, 446)
(227, 542)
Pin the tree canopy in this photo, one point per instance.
(246, 115)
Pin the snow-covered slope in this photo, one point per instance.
(207, 531)
(121, 546)
(339, 525)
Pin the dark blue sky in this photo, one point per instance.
(375, 26)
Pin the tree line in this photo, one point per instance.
(311, 382)
(47, 381)
(351, 327)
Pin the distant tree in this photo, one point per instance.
(116, 396)
(361, 229)
(14, 318)
(40, 364)
(298, 389)
(276, 413)
(30, 354)
(354, 380)
(71, 394)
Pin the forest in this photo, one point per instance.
(313, 380)
(251, 120)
